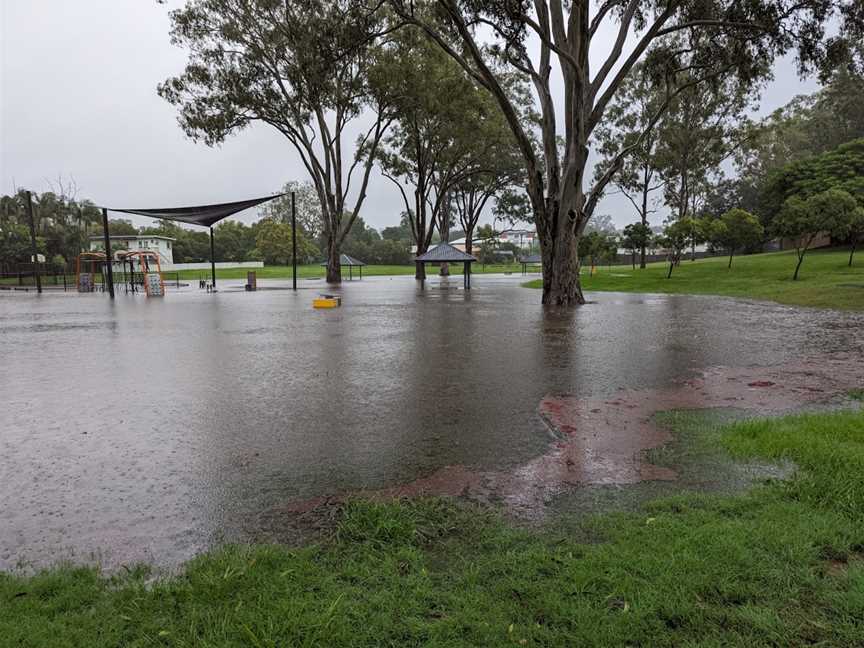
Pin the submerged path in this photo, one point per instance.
(602, 441)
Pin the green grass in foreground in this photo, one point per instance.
(317, 271)
(826, 281)
(780, 565)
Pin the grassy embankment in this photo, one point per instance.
(826, 281)
(317, 271)
(780, 565)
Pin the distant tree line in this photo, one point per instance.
(797, 175)
(65, 225)
(62, 222)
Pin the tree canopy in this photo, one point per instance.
(734, 230)
(302, 68)
(711, 40)
(842, 169)
(802, 220)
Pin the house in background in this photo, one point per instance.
(523, 239)
(162, 245)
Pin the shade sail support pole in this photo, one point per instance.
(109, 260)
(212, 260)
(33, 247)
(293, 242)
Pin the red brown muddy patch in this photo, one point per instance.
(603, 441)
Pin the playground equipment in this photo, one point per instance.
(148, 273)
(87, 266)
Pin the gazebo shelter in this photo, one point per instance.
(351, 262)
(533, 259)
(446, 253)
(202, 215)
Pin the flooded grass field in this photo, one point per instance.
(150, 430)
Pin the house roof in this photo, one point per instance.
(444, 253)
(131, 237)
(346, 260)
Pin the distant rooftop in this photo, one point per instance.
(132, 237)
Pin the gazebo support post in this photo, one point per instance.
(108, 258)
(467, 275)
(212, 260)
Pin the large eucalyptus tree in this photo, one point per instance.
(301, 67)
(447, 132)
(595, 46)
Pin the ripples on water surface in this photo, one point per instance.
(149, 429)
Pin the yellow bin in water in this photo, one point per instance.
(326, 301)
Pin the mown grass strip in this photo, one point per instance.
(826, 279)
(778, 565)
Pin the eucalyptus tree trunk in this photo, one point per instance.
(798, 266)
(559, 251)
(644, 222)
(334, 268)
(444, 231)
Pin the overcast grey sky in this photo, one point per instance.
(78, 100)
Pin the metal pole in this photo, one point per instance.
(293, 243)
(33, 242)
(212, 260)
(108, 259)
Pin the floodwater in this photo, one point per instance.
(150, 430)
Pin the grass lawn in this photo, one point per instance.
(317, 271)
(826, 281)
(781, 565)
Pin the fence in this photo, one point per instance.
(26, 280)
(56, 278)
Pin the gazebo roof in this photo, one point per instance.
(346, 260)
(532, 258)
(444, 253)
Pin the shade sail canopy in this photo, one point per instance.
(346, 260)
(444, 253)
(204, 215)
